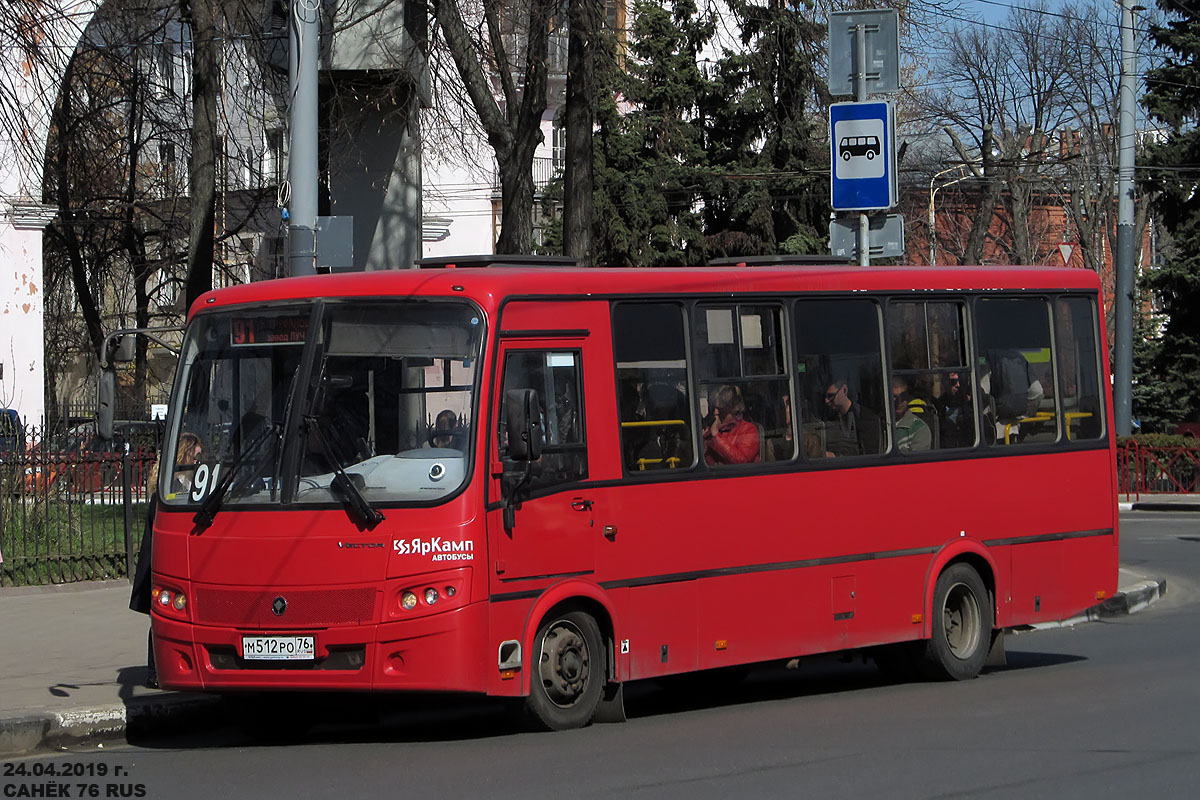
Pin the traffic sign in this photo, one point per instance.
(862, 156)
(886, 235)
(882, 30)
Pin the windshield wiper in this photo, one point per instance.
(358, 508)
(211, 505)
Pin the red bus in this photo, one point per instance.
(543, 482)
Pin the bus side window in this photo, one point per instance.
(649, 343)
(1013, 336)
(839, 374)
(931, 382)
(744, 391)
(556, 377)
(1078, 367)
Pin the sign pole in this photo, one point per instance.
(860, 55)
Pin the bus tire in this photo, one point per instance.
(567, 672)
(962, 626)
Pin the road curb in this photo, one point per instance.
(53, 730)
(1129, 600)
(1151, 505)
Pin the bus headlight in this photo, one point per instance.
(431, 596)
(171, 602)
(408, 601)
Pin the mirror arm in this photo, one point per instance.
(149, 333)
(511, 501)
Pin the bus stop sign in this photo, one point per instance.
(862, 156)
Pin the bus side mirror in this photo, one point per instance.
(105, 397)
(524, 424)
(124, 350)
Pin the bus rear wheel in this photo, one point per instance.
(962, 626)
(568, 675)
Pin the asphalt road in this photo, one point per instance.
(1105, 709)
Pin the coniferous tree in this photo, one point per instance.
(651, 158)
(765, 137)
(1172, 174)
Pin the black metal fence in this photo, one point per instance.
(73, 506)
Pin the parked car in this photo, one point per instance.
(84, 463)
(12, 432)
(1191, 429)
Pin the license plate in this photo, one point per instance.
(278, 648)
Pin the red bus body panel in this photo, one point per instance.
(685, 573)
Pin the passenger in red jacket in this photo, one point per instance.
(730, 439)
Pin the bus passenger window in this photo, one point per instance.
(839, 366)
(652, 386)
(743, 384)
(556, 377)
(931, 383)
(1078, 367)
(1017, 374)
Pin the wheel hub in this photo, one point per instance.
(962, 621)
(564, 664)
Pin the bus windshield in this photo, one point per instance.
(273, 404)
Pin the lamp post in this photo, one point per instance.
(933, 193)
(1126, 246)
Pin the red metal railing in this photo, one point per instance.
(1149, 469)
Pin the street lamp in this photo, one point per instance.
(933, 193)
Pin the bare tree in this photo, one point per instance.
(501, 59)
(1006, 96)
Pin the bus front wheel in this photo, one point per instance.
(568, 672)
(962, 625)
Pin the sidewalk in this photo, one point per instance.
(72, 668)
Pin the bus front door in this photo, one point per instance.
(540, 517)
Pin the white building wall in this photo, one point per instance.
(457, 210)
(34, 85)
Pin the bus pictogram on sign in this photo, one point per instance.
(852, 146)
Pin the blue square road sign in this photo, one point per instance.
(862, 156)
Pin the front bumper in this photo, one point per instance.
(439, 652)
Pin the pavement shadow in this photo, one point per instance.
(340, 718)
(129, 679)
(1023, 659)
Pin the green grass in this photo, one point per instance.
(54, 540)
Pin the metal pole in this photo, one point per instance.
(932, 234)
(127, 508)
(1125, 255)
(303, 39)
(860, 86)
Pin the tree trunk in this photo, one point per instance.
(131, 238)
(578, 179)
(88, 305)
(202, 174)
(977, 238)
